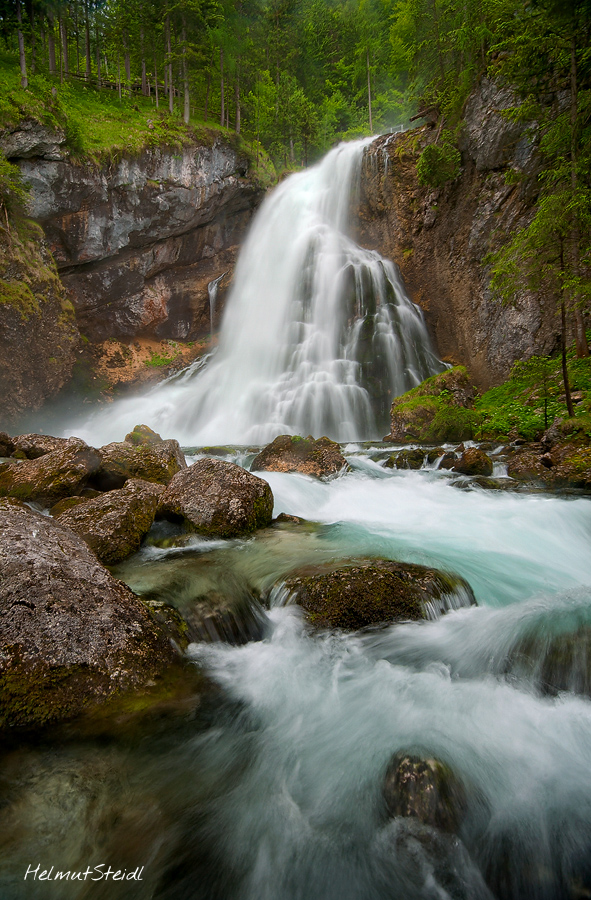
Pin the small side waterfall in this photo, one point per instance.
(212, 293)
(318, 333)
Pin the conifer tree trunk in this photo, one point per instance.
(237, 97)
(222, 116)
(64, 42)
(369, 94)
(33, 39)
(51, 42)
(187, 98)
(170, 83)
(207, 92)
(87, 42)
(145, 90)
(580, 334)
(156, 94)
(21, 46)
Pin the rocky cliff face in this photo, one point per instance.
(440, 238)
(137, 242)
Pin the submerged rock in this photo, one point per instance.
(114, 524)
(426, 789)
(158, 462)
(218, 498)
(71, 635)
(51, 477)
(290, 453)
(474, 461)
(371, 592)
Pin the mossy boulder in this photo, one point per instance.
(426, 789)
(218, 498)
(320, 458)
(71, 635)
(372, 592)
(142, 434)
(439, 409)
(158, 462)
(474, 461)
(567, 464)
(32, 446)
(406, 459)
(51, 477)
(114, 524)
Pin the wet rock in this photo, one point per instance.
(215, 497)
(434, 454)
(426, 789)
(291, 453)
(157, 462)
(71, 635)
(448, 460)
(371, 592)
(142, 434)
(114, 524)
(32, 446)
(406, 459)
(552, 663)
(474, 461)
(6, 444)
(526, 465)
(51, 477)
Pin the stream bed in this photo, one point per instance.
(265, 781)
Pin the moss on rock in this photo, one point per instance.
(439, 409)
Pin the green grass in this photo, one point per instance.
(534, 395)
(98, 126)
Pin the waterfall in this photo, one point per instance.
(212, 293)
(318, 333)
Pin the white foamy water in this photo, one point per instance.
(317, 336)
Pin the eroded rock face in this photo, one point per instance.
(157, 462)
(71, 635)
(114, 524)
(373, 592)
(137, 243)
(440, 237)
(291, 453)
(215, 497)
(51, 477)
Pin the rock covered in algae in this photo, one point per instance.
(218, 498)
(143, 434)
(114, 523)
(71, 635)
(158, 462)
(438, 409)
(320, 458)
(372, 592)
(53, 476)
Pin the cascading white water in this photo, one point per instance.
(317, 336)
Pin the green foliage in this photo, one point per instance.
(159, 360)
(533, 397)
(438, 164)
(13, 193)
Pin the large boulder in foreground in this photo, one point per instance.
(114, 524)
(291, 453)
(372, 592)
(439, 409)
(218, 498)
(51, 477)
(71, 635)
(158, 462)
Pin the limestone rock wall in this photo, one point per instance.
(440, 238)
(137, 242)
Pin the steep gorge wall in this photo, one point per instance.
(136, 243)
(440, 238)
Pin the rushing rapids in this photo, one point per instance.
(266, 782)
(317, 336)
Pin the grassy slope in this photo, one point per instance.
(100, 127)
